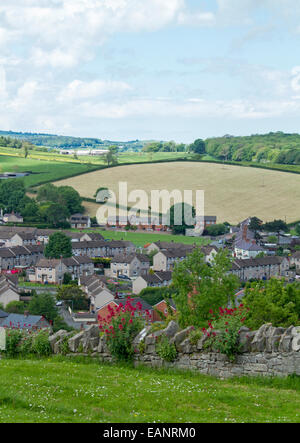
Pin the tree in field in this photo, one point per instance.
(59, 245)
(178, 221)
(198, 147)
(111, 156)
(201, 287)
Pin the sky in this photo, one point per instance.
(150, 69)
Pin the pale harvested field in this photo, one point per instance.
(233, 193)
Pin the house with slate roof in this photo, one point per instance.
(157, 279)
(262, 268)
(132, 265)
(26, 321)
(8, 291)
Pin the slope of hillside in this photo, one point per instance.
(231, 192)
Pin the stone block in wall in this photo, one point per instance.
(141, 335)
(150, 349)
(58, 343)
(186, 347)
(57, 336)
(285, 343)
(258, 343)
(91, 331)
(273, 336)
(245, 339)
(200, 344)
(296, 339)
(171, 329)
(181, 335)
(75, 341)
(102, 346)
(152, 338)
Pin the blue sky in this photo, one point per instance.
(150, 69)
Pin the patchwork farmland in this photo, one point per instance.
(231, 192)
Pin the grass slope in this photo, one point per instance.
(43, 170)
(232, 193)
(58, 390)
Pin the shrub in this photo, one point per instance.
(64, 345)
(25, 346)
(122, 326)
(40, 343)
(195, 335)
(227, 323)
(13, 339)
(165, 349)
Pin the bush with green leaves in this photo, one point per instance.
(40, 343)
(166, 350)
(121, 326)
(224, 329)
(195, 335)
(21, 342)
(274, 302)
(13, 339)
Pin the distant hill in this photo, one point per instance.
(275, 147)
(66, 142)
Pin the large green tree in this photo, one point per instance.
(65, 196)
(198, 147)
(181, 218)
(202, 287)
(274, 302)
(74, 296)
(59, 245)
(43, 304)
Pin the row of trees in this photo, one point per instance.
(269, 148)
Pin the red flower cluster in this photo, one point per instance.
(126, 312)
(225, 313)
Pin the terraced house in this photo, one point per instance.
(53, 270)
(156, 279)
(8, 290)
(132, 265)
(261, 268)
(97, 291)
(102, 248)
(20, 256)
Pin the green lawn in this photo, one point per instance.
(140, 239)
(62, 390)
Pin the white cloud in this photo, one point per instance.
(79, 90)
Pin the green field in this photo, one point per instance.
(140, 239)
(64, 391)
(232, 193)
(43, 170)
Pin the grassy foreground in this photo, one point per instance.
(60, 390)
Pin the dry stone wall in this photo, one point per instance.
(270, 351)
